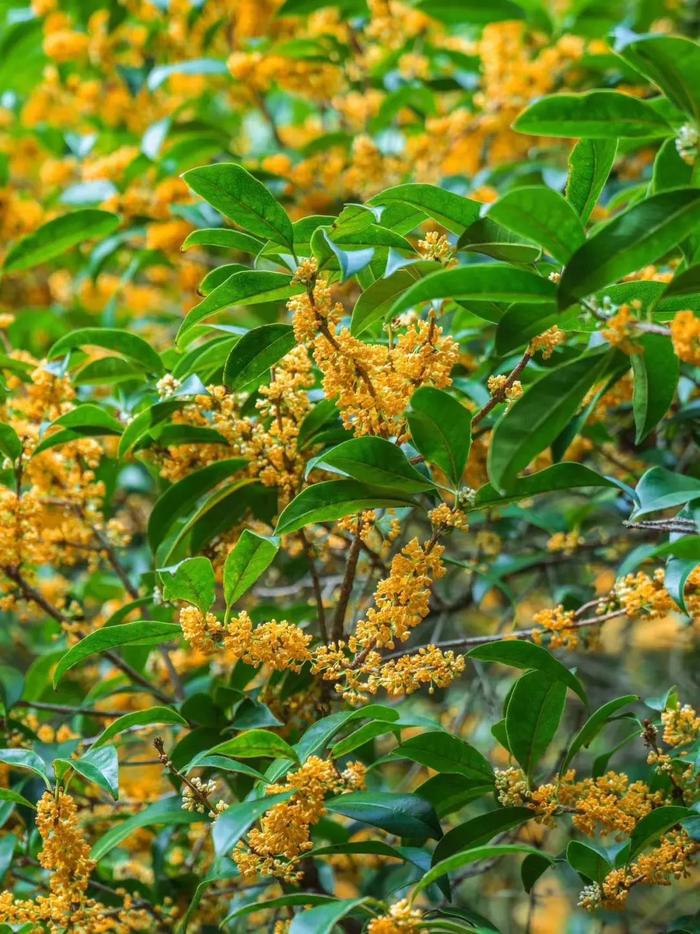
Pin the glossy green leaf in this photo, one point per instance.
(654, 824)
(479, 830)
(323, 918)
(447, 208)
(192, 580)
(376, 301)
(533, 714)
(10, 445)
(238, 818)
(542, 215)
(99, 766)
(255, 353)
(528, 656)
(660, 489)
(538, 417)
(587, 861)
(656, 369)
(223, 237)
(143, 632)
(374, 461)
(672, 63)
(493, 282)
(58, 235)
(594, 115)
(457, 860)
(446, 753)
(253, 744)
(563, 476)
(122, 342)
(333, 499)
(406, 815)
(248, 559)
(7, 794)
(25, 760)
(238, 195)
(159, 715)
(638, 236)
(250, 287)
(590, 163)
(594, 724)
(166, 812)
(441, 430)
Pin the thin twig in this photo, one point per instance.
(316, 583)
(500, 396)
(346, 589)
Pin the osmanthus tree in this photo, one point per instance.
(296, 594)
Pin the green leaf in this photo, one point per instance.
(250, 287)
(542, 215)
(656, 370)
(441, 430)
(563, 476)
(672, 63)
(538, 417)
(590, 163)
(246, 562)
(84, 421)
(662, 489)
(283, 901)
(587, 861)
(143, 632)
(223, 237)
(374, 461)
(534, 711)
(191, 580)
(479, 830)
(457, 860)
(238, 195)
(10, 445)
(528, 656)
(446, 753)
(406, 815)
(58, 235)
(676, 577)
(594, 724)
(255, 353)
(180, 498)
(166, 812)
(491, 239)
(333, 499)
(323, 918)
(99, 766)
(238, 818)
(122, 342)
(7, 794)
(594, 115)
(376, 300)
(160, 715)
(142, 423)
(494, 282)
(26, 760)
(636, 237)
(255, 743)
(654, 824)
(684, 283)
(532, 868)
(447, 208)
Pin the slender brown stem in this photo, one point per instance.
(74, 711)
(197, 793)
(346, 588)
(500, 396)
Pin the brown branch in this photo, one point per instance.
(346, 588)
(167, 762)
(500, 396)
(67, 709)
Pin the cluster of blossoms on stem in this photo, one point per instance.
(372, 383)
(558, 624)
(402, 918)
(283, 836)
(547, 342)
(685, 334)
(565, 542)
(66, 856)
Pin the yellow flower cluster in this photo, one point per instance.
(565, 542)
(641, 595)
(558, 623)
(671, 859)
(685, 334)
(619, 329)
(372, 383)
(443, 517)
(503, 390)
(547, 342)
(66, 856)
(609, 804)
(277, 845)
(402, 918)
(281, 646)
(681, 725)
(436, 246)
